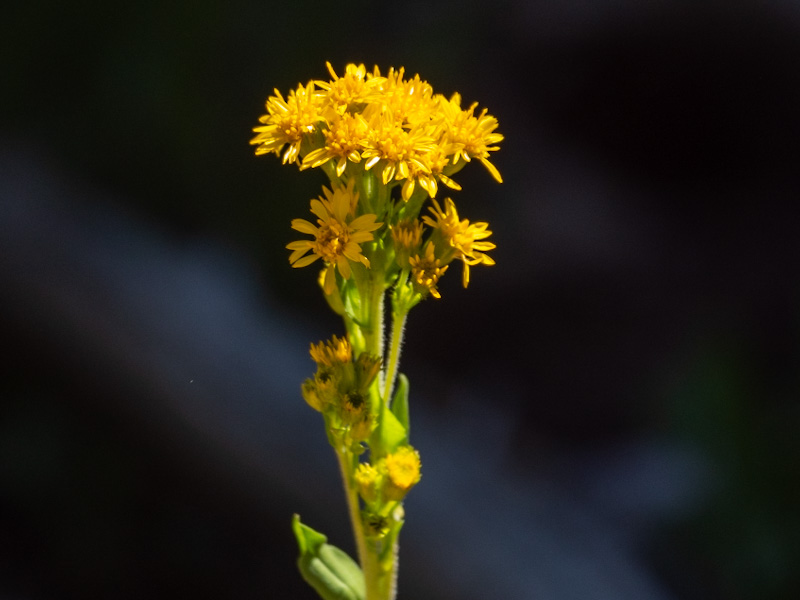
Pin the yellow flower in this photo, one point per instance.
(367, 481)
(409, 101)
(367, 369)
(461, 240)
(403, 470)
(355, 409)
(426, 271)
(344, 138)
(337, 237)
(407, 238)
(471, 136)
(402, 151)
(333, 353)
(352, 89)
(437, 160)
(287, 122)
(310, 395)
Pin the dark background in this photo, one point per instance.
(610, 412)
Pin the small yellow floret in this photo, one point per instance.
(462, 239)
(367, 480)
(403, 470)
(407, 238)
(336, 351)
(338, 234)
(288, 121)
(426, 271)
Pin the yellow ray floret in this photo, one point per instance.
(338, 234)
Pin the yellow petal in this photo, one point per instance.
(304, 226)
(305, 261)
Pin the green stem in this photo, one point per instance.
(368, 565)
(398, 327)
(376, 317)
(380, 583)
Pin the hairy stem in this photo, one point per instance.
(398, 327)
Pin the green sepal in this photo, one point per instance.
(400, 403)
(326, 568)
(389, 434)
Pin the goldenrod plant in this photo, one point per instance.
(387, 144)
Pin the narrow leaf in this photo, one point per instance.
(326, 568)
(400, 402)
(389, 434)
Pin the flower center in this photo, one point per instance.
(332, 240)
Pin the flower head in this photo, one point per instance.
(407, 239)
(344, 139)
(333, 353)
(401, 149)
(403, 471)
(470, 136)
(287, 121)
(426, 271)
(410, 101)
(459, 239)
(354, 88)
(338, 234)
(368, 481)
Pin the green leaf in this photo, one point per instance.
(389, 434)
(400, 403)
(326, 568)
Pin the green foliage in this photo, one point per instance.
(389, 435)
(400, 402)
(326, 568)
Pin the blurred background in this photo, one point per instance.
(610, 412)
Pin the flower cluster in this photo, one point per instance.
(340, 388)
(371, 133)
(397, 127)
(386, 144)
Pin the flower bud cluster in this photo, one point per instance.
(363, 119)
(385, 483)
(340, 387)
